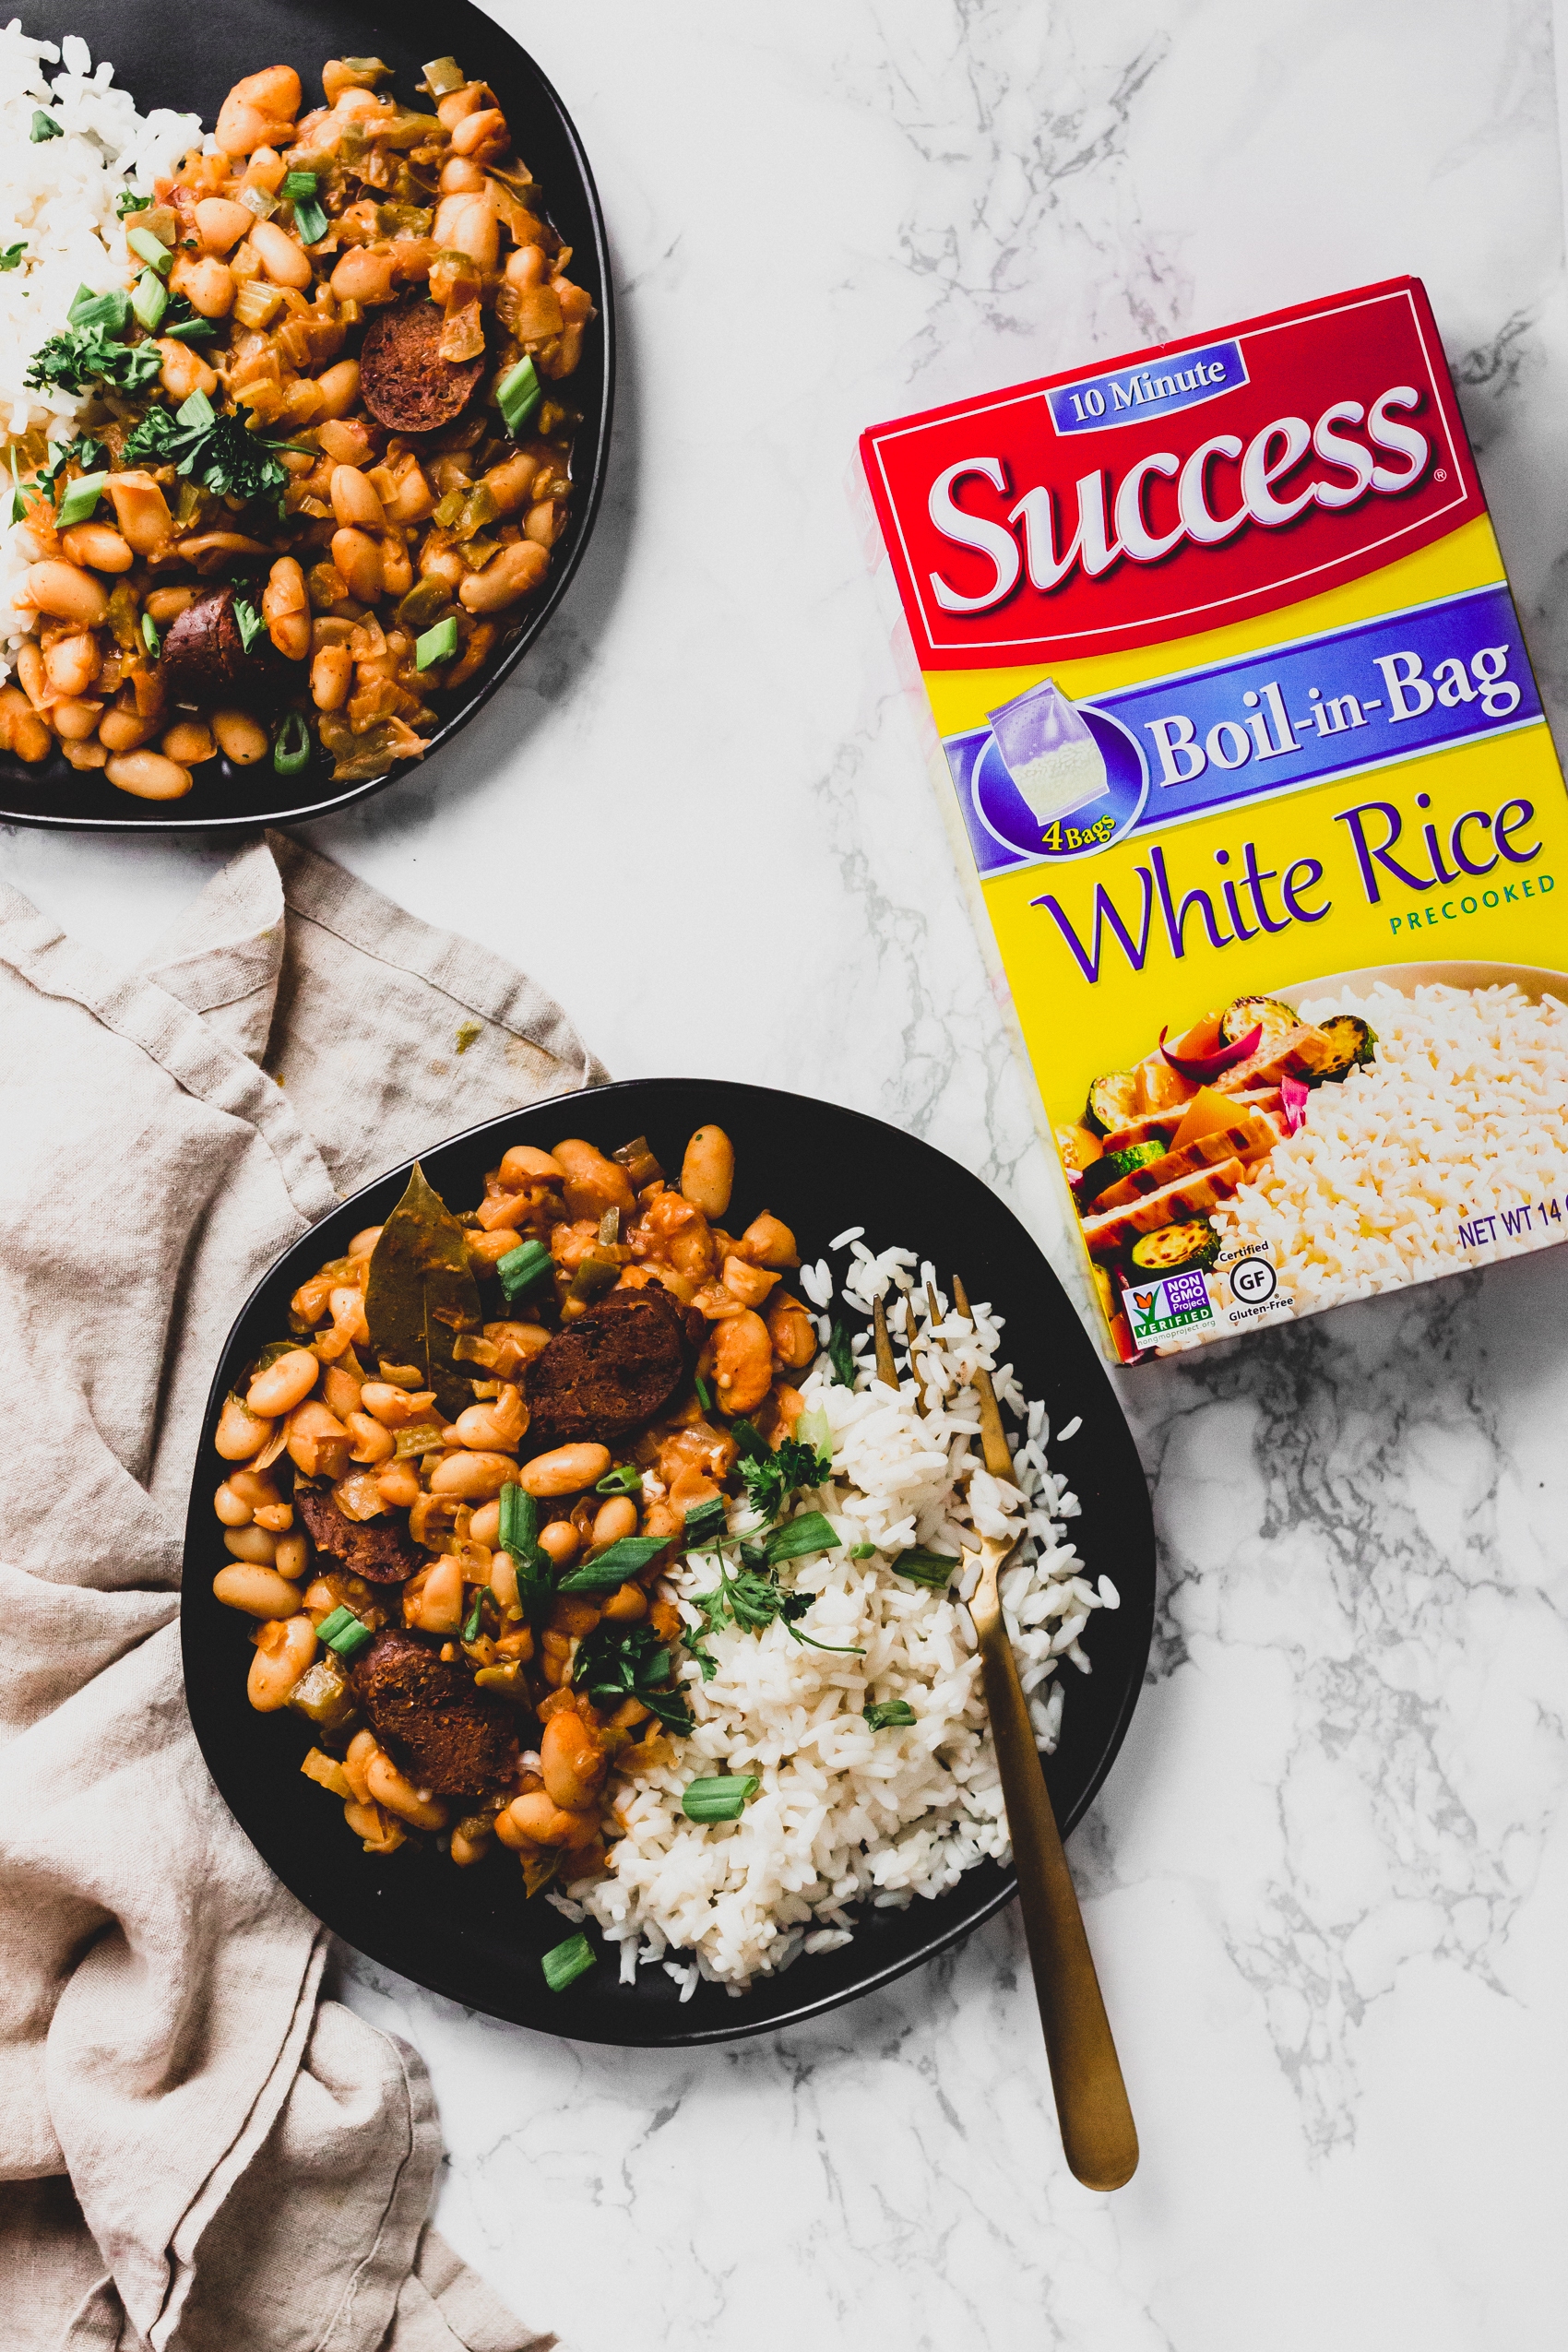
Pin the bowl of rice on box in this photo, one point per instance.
(574, 1605)
(1244, 764)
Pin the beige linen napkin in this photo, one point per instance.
(247, 2167)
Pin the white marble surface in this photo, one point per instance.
(1327, 1881)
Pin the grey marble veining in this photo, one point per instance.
(1327, 1880)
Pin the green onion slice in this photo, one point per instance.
(149, 635)
(721, 1800)
(708, 1523)
(810, 1532)
(863, 1551)
(195, 413)
(883, 1714)
(300, 183)
(343, 1632)
(291, 745)
(45, 126)
(249, 621)
(611, 1570)
(922, 1567)
(567, 1962)
(519, 395)
(523, 1269)
(11, 258)
(436, 645)
(841, 1356)
(191, 330)
(81, 496)
(150, 249)
(705, 1396)
(111, 312)
(150, 299)
(812, 1429)
(309, 220)
(625, 1478)
(471, 1623)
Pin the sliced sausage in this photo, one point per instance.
(378, 1551)
(618, 1365)
(204, 660)
(404, 381)
(437, 1729)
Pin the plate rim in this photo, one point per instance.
(308, 811)
(664, 2031)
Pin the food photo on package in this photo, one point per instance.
(1242, 758)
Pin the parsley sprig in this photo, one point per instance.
(90, 351)
(751, 1597)
(773, 1480)
(219, 452)
(616, 1662)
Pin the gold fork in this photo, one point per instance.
(1098, 2136)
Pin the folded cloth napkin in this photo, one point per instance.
(245, 2164)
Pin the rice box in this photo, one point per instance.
(1240, 749)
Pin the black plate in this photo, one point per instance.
(471, 1934)
(169, 53)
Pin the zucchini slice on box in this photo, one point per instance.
(1112, 1166)
(1113, 1100)
(1248, 1012)
(1175, 1249)
(1352, 1042)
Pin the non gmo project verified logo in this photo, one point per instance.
(1157, 1309)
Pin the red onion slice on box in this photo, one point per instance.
(1294, 1097)
(1202, 1067)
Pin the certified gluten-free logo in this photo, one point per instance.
(1253, 1282)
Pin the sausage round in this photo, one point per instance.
(404, 381)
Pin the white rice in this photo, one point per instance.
(57, 197)
(845, 1814)
(1463, 1116)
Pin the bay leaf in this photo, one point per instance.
(421, 1294)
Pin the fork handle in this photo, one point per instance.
(1098, 2133)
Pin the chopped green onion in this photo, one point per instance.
(45, 126)
(707, 1524)
(841, 1356)
(291, 745)
(705, 1396)
(249, 621)
(443, 75)
(723, 1799)
(112, 311)
(150, 249)
(810, 1532)
(309, 220)
(149, 635)
(884, 1713)
(191, 330)
(11, 258)
(436, 645)
(523, 1269)
(519, 1525)
(15, 510)
(344, 1633)
(150, 299)
(195, 413)
(625, 1478)
(81, 496)
(471, 1623)
(519, 395)
(625, 1559)
(567, 1962)
(300, 183)
(812, 1429)
(863, 1551)
(922, 1567)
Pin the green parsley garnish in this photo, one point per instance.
(774, 1477)
(221, 453)
(567, 1962)
(129, 201)
(883, 1714)
(89, 352)
(841, 1356)
(616, 1662)
(751, 1597)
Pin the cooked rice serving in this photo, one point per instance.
(845, 1814)
(1462, 1115)
(57, 199)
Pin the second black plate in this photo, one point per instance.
(471, 1934)
(167, 53)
